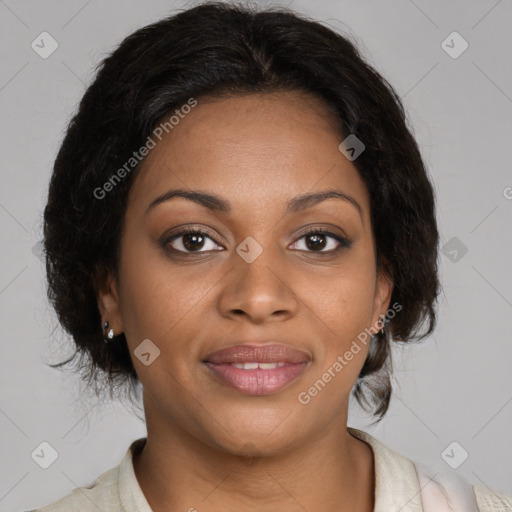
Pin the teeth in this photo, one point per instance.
(254, 366)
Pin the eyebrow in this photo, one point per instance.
(216, 203)
(209, 201)
(307, 200)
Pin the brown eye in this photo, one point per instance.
(321, 242)
(316, 242)
(192, 241)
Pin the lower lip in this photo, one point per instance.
(257, 382)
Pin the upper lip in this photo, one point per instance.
(267, 353)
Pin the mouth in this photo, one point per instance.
(257, 370)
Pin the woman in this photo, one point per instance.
(240, 221)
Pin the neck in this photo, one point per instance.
(179, 472)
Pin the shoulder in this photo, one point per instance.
(103, 494)
(396, 483)
(491, 501)
(115, 490)
(417, 488)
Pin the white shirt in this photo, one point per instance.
(397, 487)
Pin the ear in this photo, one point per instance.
(383, 291)
(108, 304)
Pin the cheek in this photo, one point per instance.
(344, 309)
(147, 288)
(343, 304)
(344, 298)
(160, 300)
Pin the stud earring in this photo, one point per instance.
(108, 333)
(383, 323)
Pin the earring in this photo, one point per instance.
(108, 334)
(383, 323)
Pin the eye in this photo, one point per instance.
(191, 240)
(321, 241)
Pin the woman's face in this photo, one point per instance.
(252, 276)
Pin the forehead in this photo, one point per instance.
(255, 149)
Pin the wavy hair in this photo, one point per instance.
(215, 49)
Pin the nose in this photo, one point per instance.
(258, 292)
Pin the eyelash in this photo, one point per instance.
(343, 243)
(186, 231)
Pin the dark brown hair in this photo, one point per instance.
(215, 49)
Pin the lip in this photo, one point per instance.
(263, 353)
(257, 382)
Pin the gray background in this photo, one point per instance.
(456, 386)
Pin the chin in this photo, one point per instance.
(256, 431)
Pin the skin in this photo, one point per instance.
(209, 447)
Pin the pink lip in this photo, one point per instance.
(259, 381)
